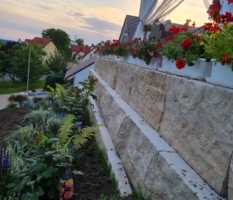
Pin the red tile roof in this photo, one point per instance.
(39, 41)
(84, 49)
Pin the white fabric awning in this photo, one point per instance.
(153, 10)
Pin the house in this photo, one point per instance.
(81, 71)
(129, 28)
(79, 51)
(47, 45)
(93, 51)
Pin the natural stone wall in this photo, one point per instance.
(194, 117)
(153, 166)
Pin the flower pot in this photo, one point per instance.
(111, 57)
(131, 60)
(148, 35)
(155, 65)
(166, 64)
(119, 58)
(199, 70)
(221, 75)
(141, 63)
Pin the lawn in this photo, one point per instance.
(8, 87)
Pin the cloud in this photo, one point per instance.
(100, 26)
(71, 13)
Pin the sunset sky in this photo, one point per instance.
(92, 20)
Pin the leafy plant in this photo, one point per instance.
(183, 46)
(121, 50)
(217, 46)
(147, 50)
(12, 105)
(146, 28)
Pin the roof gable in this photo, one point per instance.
(79, 67)
(39, 41)
(131, 23)
(77, 48)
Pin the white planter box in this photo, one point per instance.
(155, 65)
(119, 58)
(131, 60)
(141, 63)
(111, 57)
(200, 70)
(221, 75)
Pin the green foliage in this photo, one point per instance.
(54, 78)
(19, 62)
(80, 41)
(61, 39)
(12, 105)
(174, 50)
(121, 50)
(218, 45)
(8, 87)
(144, 49)
(41, 152)
(56, 63)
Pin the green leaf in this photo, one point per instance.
(30, 183)
(48, 153)
(38, 178)
(38, 191)
(49, 172)
(10, 185)
(59, 186)
(75, 172)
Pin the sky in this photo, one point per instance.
(92, 20)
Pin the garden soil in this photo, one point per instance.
(9, 120)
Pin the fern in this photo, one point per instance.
(60, 92)
(66, 128)
(80, 139)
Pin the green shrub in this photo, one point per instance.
(12, 105)
(52, 79)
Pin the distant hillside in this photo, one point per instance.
(4, 41)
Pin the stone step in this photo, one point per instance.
(152, 165)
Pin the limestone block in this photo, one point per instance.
(198, 124)
(107, 69)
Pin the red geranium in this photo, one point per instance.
(180, 64)
(186, 43)
(160, 44)
(230, 1)
(225, 57)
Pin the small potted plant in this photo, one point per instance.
(21, 98)
(148, 53)
(217, 46)
(183, 55)
(11, 98)
(147, 30)
(121, 51)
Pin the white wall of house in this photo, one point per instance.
(89, 55)
(82, 75)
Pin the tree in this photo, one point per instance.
(56, 63)
(19, 62)
(80, 41)
(61, 39)
(7, 53)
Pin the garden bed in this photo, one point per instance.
(95, 180)
(9, 120)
